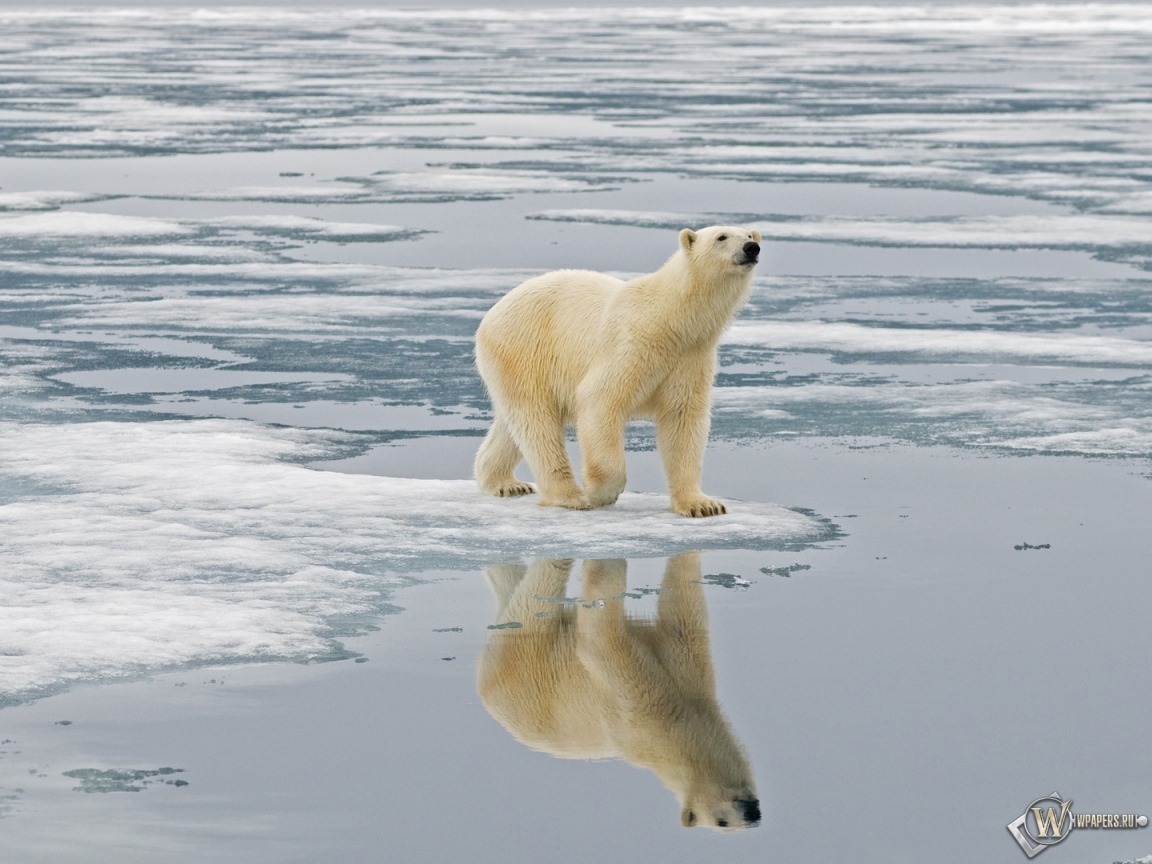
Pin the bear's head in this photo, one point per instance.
(721, 248)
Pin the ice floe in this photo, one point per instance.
(1096, 418)
(311, 313)
(70, 223)
(43, 199)
(302, 226)
(840, 336)
(145, 545)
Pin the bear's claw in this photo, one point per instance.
(700, 508)
(514, 490)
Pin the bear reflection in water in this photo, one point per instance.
(583, 680)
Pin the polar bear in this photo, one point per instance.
(579, 348)
(585, 681)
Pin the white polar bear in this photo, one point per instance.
(584, 348)
(587, 681)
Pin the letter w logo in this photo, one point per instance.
(1049, 821)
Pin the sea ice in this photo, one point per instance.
(138, 546)
(837, 336)
(68, 223)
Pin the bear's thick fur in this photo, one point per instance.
(585, 681)
(579, 348)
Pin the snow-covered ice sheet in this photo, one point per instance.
(136, 546)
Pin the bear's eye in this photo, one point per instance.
(721, 238)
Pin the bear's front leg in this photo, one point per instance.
(600, 431)
(682, 424)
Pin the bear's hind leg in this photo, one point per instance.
(496, 459)
(541, 439)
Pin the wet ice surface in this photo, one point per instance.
(237, 402)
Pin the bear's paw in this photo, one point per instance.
(698, 507)
(570, 501)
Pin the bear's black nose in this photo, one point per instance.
(751, 250)
(749, 806)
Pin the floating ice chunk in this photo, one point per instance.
(786, 570)
(128, 113)
(319, 194)
(303, 226)
(637, 218)
(284, 313)
(1134, 202)
(69, 224)
(419, 185)
(1001, 414)
(859, 339)
(19, 365)
(130, 780)
(44, 200)
(173, 252)
(727, 580)
(1133, 439)
(151, 545)
(471, 182)
(102, 225)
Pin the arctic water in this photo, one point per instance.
(245, 251)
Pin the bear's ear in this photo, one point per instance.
(687, 238)
(687, 817)
(755, 235)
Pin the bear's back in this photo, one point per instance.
(549, 325)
